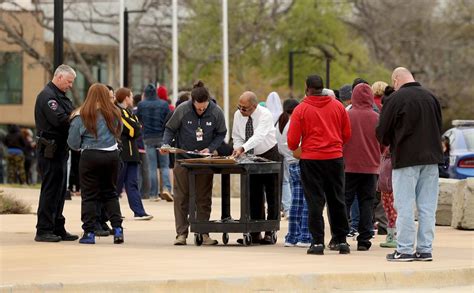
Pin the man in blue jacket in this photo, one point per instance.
(152, 113)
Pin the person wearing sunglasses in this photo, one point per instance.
(254, 133)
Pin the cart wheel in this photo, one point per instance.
(247, 239)
(225, 238)
(274, 237)
(197, 239)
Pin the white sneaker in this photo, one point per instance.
(155, 198)
(303, 244)
(288, 244)
(143, 218)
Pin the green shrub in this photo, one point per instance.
(11, 205)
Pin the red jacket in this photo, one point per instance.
(362, 151)
(322, 125)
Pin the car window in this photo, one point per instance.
(469, 138)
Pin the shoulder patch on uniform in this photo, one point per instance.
(53, 105)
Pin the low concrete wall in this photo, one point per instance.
(463, 206)
(447, 189)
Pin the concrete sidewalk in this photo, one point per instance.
(148, 262)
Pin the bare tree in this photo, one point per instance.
(434, 39)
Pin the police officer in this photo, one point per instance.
(52, 111)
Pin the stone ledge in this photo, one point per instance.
(463, 206)
(448, 188)
(274, 283)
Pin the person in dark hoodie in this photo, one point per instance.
(322, 126)
(152, 113)
(16, 145)
(362, 159)
(411, 123)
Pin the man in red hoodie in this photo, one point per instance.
(362, 160)
(322, 126)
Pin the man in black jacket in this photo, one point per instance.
(52, 110)
(411, 124)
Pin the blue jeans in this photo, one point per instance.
(151, 145)
(415, 186)
(354, 214)
(285, 190)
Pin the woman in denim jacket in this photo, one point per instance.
(95, 129)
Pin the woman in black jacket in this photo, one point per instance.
(130, 156)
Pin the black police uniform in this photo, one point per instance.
(52, 111)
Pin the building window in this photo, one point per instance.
(99, 71)
(145, 73)
(11, 78)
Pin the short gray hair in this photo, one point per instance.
(63, 68)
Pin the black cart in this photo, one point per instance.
(227, 225)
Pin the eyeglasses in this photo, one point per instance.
(244, 109)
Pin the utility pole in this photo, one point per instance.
(125, 48)
(126, 12)
(175, 49)
(290, 68)
(122, 41)
(328, 70)
(58, 33)
(225, 65)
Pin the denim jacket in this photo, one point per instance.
(81, 139)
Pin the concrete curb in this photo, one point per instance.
(274, 283)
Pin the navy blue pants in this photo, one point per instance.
(129, 178)
(53, 192)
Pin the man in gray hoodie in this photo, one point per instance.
(197, 125)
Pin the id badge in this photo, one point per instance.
(199, 134)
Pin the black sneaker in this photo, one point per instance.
(343, 248)
(316, 249)
(47, 237)
(396, 256)
(332, 245)
(352, 233)
(68, 195)
(423, 256)
(66, 236)
(363, 245)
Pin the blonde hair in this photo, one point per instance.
(379, 87)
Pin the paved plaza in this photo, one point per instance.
(148, 262)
